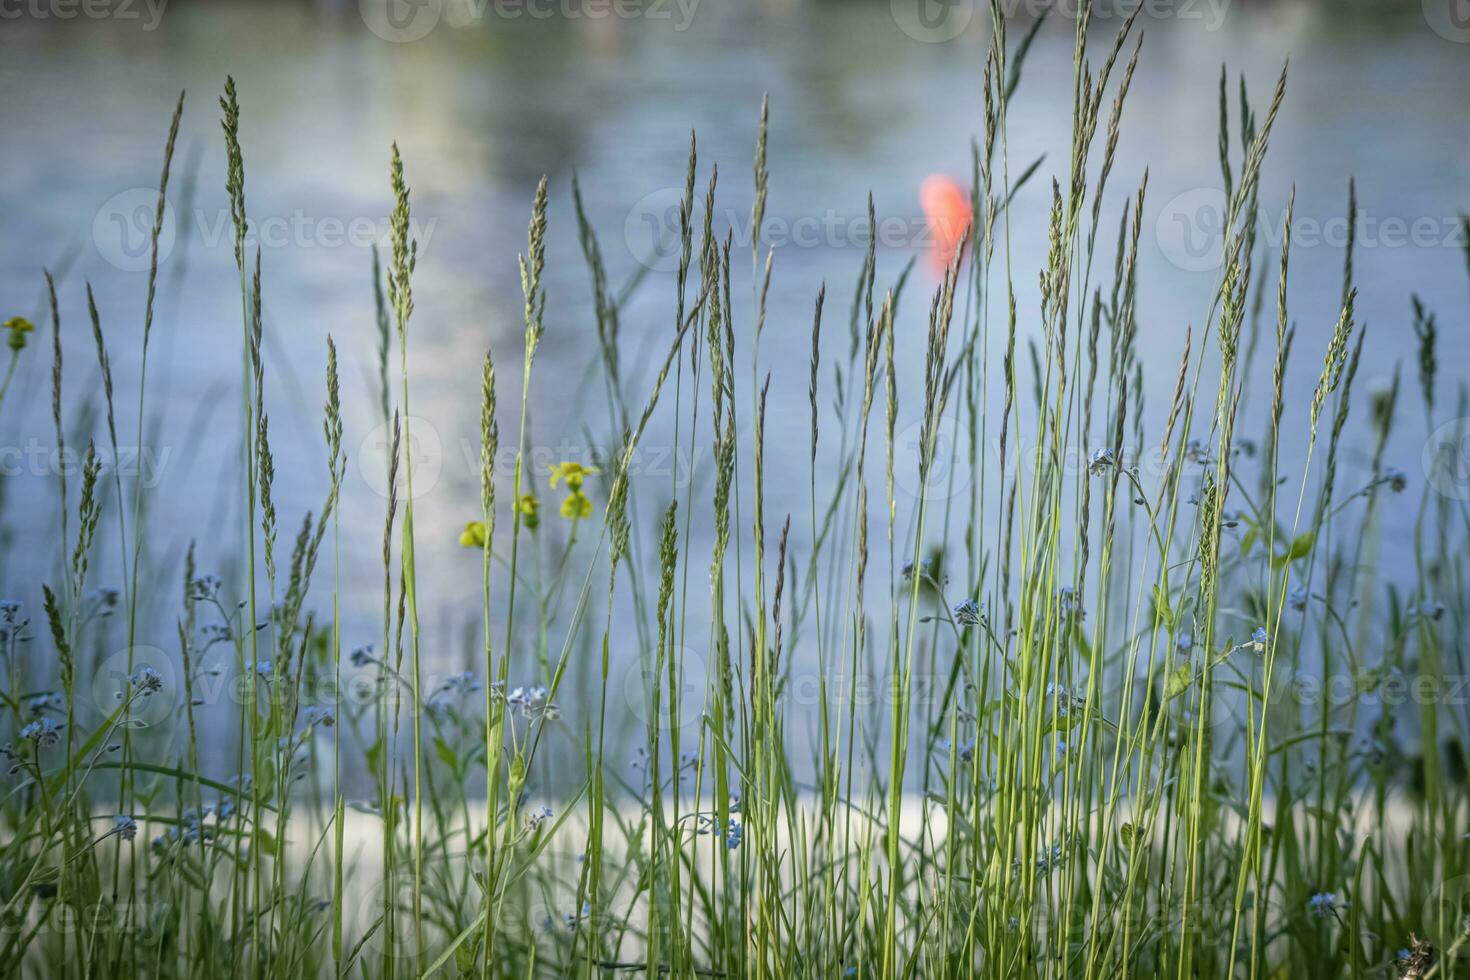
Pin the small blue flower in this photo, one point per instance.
(925, 568)
(1260, 637)
(362, 656)
(532, 702)
(1396, 479)
(966, 749)
(39, 704)
(1297, 598)
(1099, 461)
(104, 599)
(1064, 699)
(1323, 904)
(315, 715)
(573, 920)
(967, 613)
(461, 683)
(1049, 858)
(205, 588)
(43, 732)
(146, 680)
(125, 826)
(734, 835)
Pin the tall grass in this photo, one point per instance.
(1076, 688)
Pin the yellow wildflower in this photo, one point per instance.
(18, 326)
(576, 506)
(473, 535)
(530, 509)
(572, 473)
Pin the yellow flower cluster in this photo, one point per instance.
(18, 326)
(576, 507)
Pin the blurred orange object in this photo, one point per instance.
(946, 207)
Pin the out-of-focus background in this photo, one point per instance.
(484, 97)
